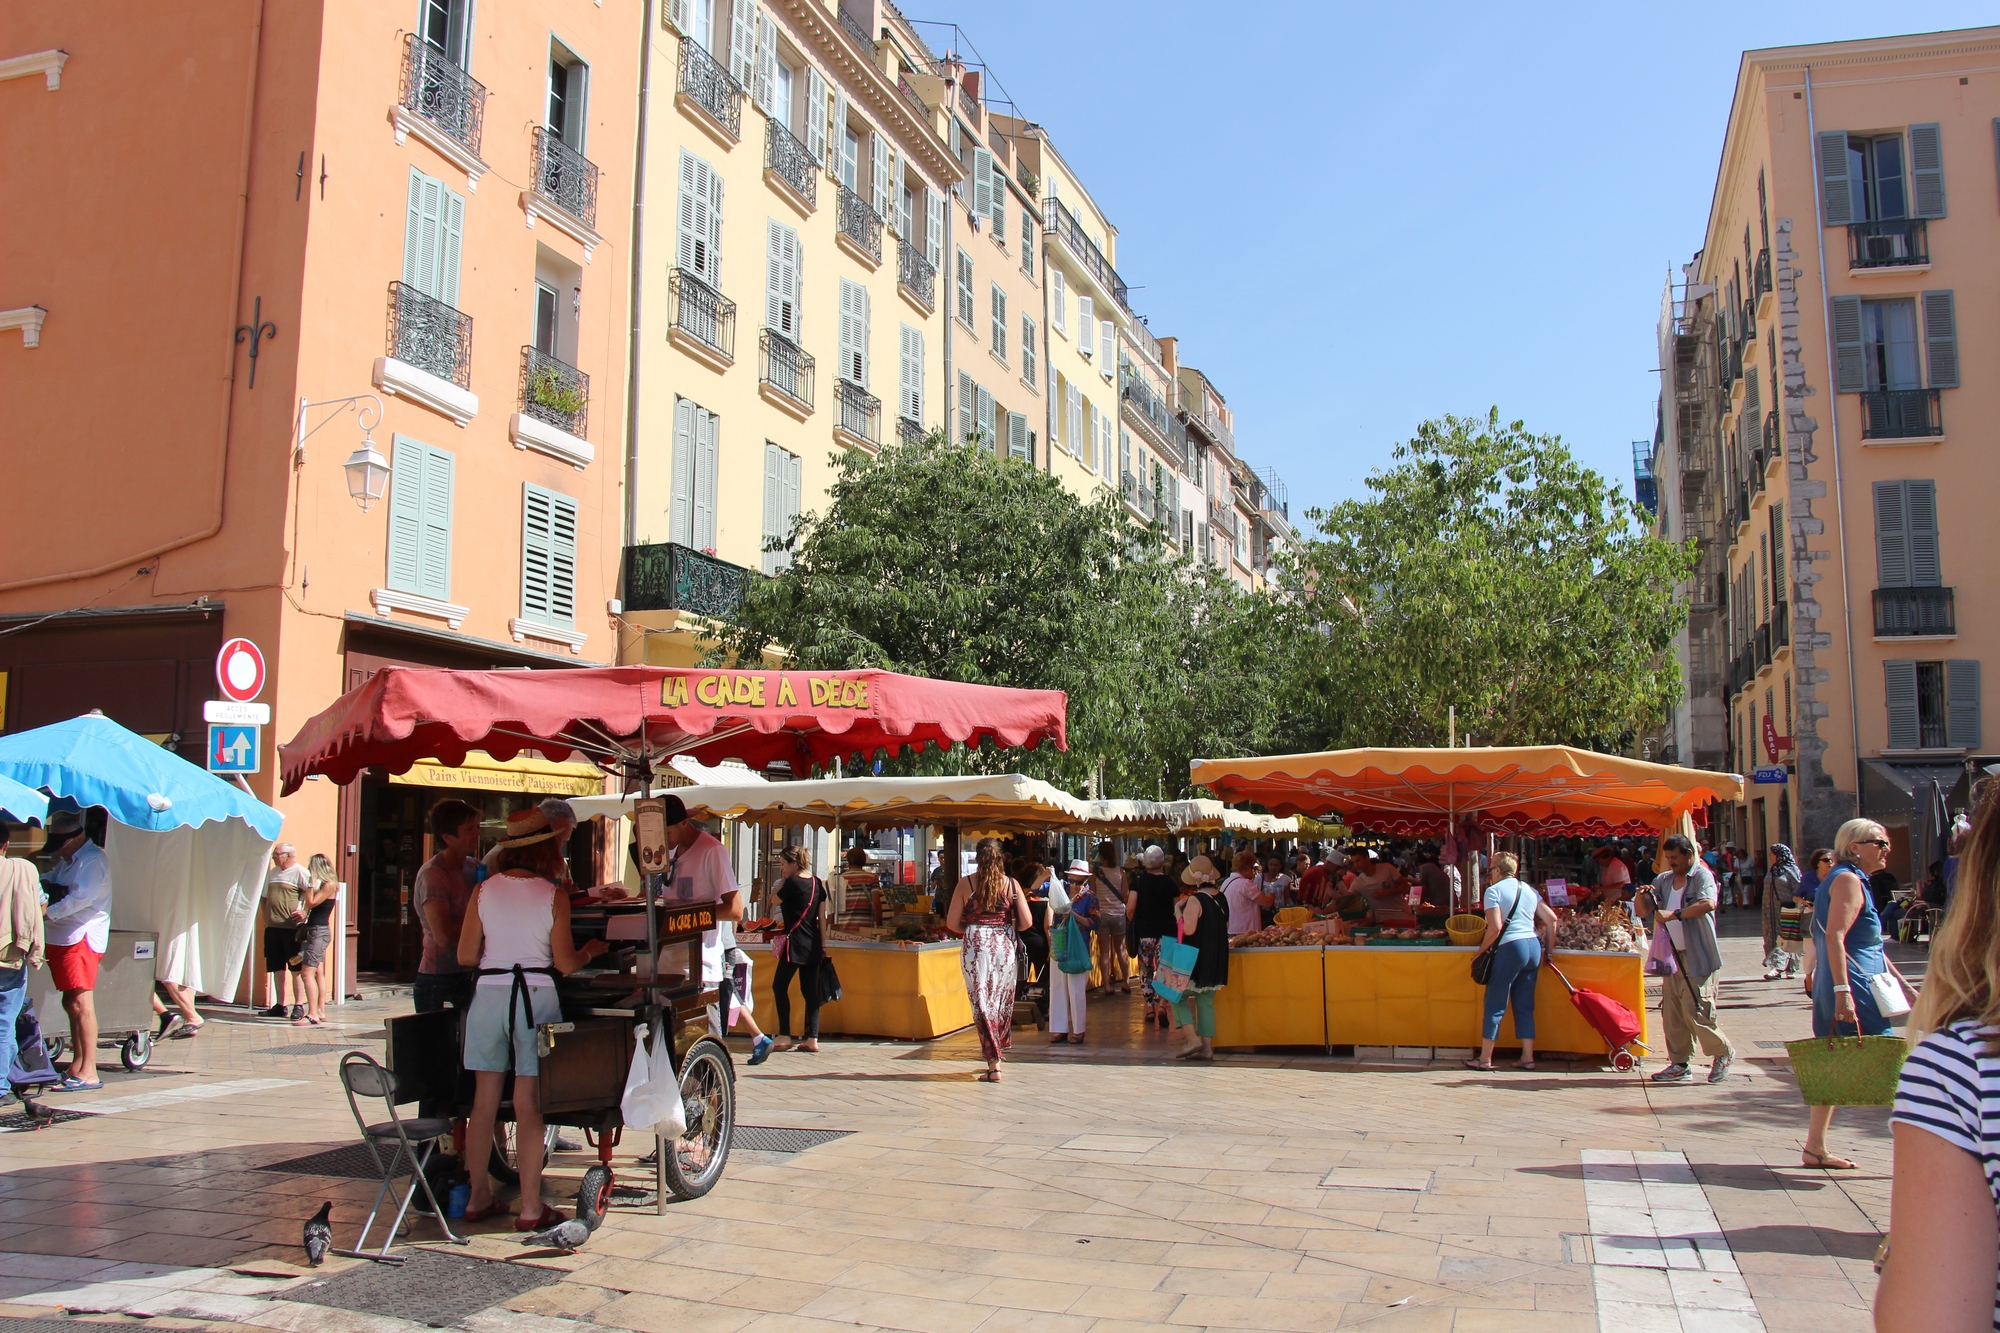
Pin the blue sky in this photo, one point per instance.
(1356, 219)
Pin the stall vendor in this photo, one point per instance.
(856, 891)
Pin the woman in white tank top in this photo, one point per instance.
(517, 934)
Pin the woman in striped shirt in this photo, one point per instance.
(1942, 1271)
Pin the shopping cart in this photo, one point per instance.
(1611, 1020)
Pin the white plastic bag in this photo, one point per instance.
(652, 1102)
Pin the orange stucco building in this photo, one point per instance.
(244, 206)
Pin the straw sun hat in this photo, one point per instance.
(527, 827)
(1201, 870)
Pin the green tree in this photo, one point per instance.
(942, 560)
(1486, 569)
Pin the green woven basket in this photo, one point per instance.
(1848, 1071)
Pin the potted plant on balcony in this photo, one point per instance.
(549, 388)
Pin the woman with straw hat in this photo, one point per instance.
(1203, 921)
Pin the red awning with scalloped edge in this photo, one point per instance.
(620, 715)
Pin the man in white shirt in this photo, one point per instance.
(700, 873)
(78, 932)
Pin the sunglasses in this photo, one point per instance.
(1883, 843)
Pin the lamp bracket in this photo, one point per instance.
(367, 406)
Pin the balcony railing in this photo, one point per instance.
(1749, 320)
(915, 272)
(1062, 224)
(1773, 445)
(442, 93)
(1890, 244)
(1900, 414)
(857, 31)
(667, 576)
(426, 333)
(786, 367)
(554, 391)
(860, 411)
(1763, 645)
(1761, 281)
(910, 96)
(908, 431)
(702, 312)
(860, 224)
(710, 86)
(1781, 626)
(787, 156)
(1138, 391)
(565, 177)
(1904, 612)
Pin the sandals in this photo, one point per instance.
(491, 1209)
(1477, 1066)
(989, 1076)
(1827, 1161)
(548, 1217)
(185, 1031)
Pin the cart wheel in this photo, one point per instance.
(136, 1051)
(708, 1090)
(593, 1197)
(1623, 1062)
(57, 1048)
(501, 1165)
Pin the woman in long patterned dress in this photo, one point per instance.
(987, 908)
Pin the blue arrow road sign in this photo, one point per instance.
(234, 749)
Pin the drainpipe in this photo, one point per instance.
(1839, 499)
(946, 278)
(638, 248)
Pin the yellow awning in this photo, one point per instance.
(524, 773)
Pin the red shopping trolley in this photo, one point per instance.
(1611, 1020)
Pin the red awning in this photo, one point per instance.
(614, 714)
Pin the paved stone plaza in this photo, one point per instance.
(1101, 1189)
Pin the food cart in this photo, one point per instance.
(632, 721)
(907, 989)
(1419, 994)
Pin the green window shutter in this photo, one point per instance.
(1927, 171)
(814, 116)
(1836, 190)
(933, 228)
(911, 381)
(1962, 703)
(451, 239)
(420, 230)
(537, 553)
(794, 497)
(774, 504)
(1850, 360)
(406, 510)
(1892, 534)
(435, 578)
(1920, 508)
(1900, 680)
(988, 428)
(1779, 552)
(982, 183)
(968, 406)
(680, 514)
(1941, 340)
(706, 442)
(781, 284)
(1017, 437)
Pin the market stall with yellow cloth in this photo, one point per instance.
(909, 988)
(1413, 993)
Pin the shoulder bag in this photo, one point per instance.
(781, 947)
(1482, 962)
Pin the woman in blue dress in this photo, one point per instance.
(1847, 956)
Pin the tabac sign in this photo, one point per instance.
(763, 689)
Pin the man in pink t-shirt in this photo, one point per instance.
(700, 873)
(443, 887)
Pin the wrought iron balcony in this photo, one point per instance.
(914, 272)
(709, 86)
(1889, 244)
(857, 31)
(565, 177)
(908, 431)
(1762, 644)
(426, 333)
(1900, 414)
(667, 576)
(910, 96)
(1773, 446)
(1781, 626)
(860, 224)
(789, 159)
(860, 412)
(1905, 612)
(1749, 320)
(702, 312)
(1761, 279)
(1060, 223)
(786, 367)
(1138, 392)
(442, 93)
(554, 391)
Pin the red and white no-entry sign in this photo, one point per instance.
(239, 670)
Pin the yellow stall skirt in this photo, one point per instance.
(909, 991)
(1275, 997)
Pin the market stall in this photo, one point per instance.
(1410, 989)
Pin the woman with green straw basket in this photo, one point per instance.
(1940, 1275)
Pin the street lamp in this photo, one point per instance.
(367, 470)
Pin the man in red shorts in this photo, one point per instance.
(78, 931)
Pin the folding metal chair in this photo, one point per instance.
(363, 1077)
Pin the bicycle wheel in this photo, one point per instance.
(708, 1090)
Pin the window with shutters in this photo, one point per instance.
(1020, 439)
(813, 116)
(1889, 344)
(742, 41)
(848, 140)
(984, 412)
(1107, 339)
(911, 402)
(1028, 351)
(982, 184)
(420, 505)
(433, 234)
(691, 516)
(1058, 302)
(699, 248)
(773, 90)
(999, 300)
(880, 194)
(1027, 242)
(569, 77)
(1933, 705)
(854, 333)
(964, 288)
(548, 556)
(781, 291)
(1086, 326)
(1090, 433)
(1073, 422)
(781, 506)
(933, 228)
(906, 205)
(443, 24)
(1906, 535)
(1778, 552)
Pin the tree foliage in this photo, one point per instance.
(1488, 570)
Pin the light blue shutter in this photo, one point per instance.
(707, 428)
(1017, 438)
(1941, 340)
(794, 496)
(982, 182)
(680, 512)
(537, 553)
(436, 572)
(774, 504)
(968, 407)
(1962, 703)
(406, 509)
(1850, 360)
(451, 238)
(1836, 190)
(433, 236)
(1920, 501)
(1927, 171)
(1900, 680)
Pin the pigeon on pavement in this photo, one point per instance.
(319, 1234)
(565, 1236)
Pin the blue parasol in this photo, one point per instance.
(22, 805)
(92, 760)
